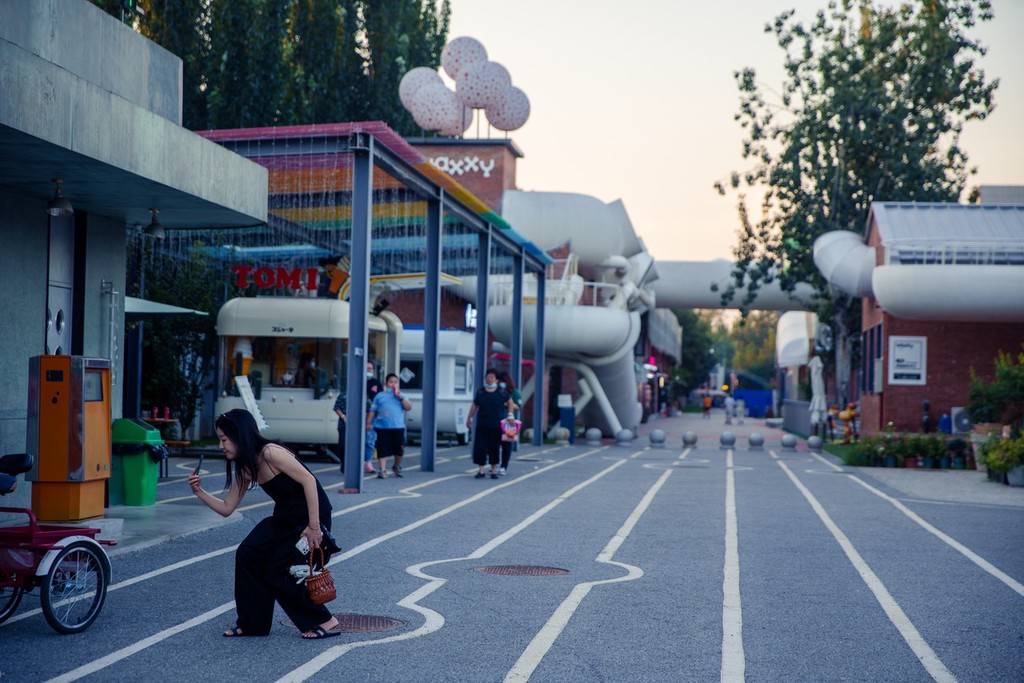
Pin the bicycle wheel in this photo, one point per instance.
(10, 598)
(75, 588)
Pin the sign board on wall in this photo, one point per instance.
(908, 360)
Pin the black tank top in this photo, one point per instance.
(290, 499)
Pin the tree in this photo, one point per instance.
(871, 108)
(275, 62)
(178, 352)
(247, 74)
(695, 357)
(754, 340)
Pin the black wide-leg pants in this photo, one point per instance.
(261, 578)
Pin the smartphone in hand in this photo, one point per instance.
(199, 466)
(303, 545)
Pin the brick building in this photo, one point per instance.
(947, 295)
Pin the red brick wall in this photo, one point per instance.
(487, 178)
(953, 349)
(408, 306)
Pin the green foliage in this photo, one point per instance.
(872, 107)
(754, 340)
(696, 359)
(273, 62)
(1002, 455)
(872, 450)
(178, 352)
(1002, 398)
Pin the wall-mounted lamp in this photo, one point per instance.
(59, 205)
(155, 229)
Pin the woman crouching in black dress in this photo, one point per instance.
(262, 561)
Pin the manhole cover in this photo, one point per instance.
(361, 623)
(522, 570)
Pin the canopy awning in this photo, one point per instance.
(144, 308)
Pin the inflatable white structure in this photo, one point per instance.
(935, 261)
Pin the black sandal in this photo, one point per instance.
(319, 633)
(235, 632)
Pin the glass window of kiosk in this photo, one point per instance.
(295, 361)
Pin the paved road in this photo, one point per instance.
(689, 565)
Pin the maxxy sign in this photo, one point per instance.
(467, 164)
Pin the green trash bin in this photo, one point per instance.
(137, 449)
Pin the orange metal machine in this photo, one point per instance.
(69, 435)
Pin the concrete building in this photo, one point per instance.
(90, 102)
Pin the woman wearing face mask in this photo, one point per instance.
(490, 405)
(262, 561)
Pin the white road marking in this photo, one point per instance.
(931, 662)
(828, 462)
(138, 646)
(1012, 583)
(733, 659)
(103, 662)
(556, 623)
(407, 493)
(433, 620)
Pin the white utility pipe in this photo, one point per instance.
(845, 261)
(687, 284)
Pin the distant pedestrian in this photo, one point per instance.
(387, 416)
(510, 428)
(490, 405)
(262, 561)
(373, 387)
(707, 407)
(508, 445)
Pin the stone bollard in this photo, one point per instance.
(788, 442)
(727, 440)
(756, 441)
(657, 438)
(624, 437)
(561, 436)
(814, 443)
(593, 436)
(690, 439)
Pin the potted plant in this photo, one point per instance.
(1006, 456)
(911, 451)
(992, 404)
(955, 454)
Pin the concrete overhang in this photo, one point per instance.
(116, 159)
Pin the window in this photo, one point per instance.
(461, 385)
(411, 374)
(287, 361)
(92, 386)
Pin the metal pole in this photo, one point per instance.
(517, 319)
(483, 271)
(362, 222)
(431, 324)
(538, 363)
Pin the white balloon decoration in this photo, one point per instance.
(413, 81)
(483, 85)
(511, 112)
(435, 107)
(479, 84)
(461, 123)
(460, 54)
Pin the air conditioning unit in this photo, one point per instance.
(961, 421)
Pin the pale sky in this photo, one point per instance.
(635, 100)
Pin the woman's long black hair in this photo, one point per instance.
(505, 377)
(240, 426)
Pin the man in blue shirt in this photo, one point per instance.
(387, 417)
